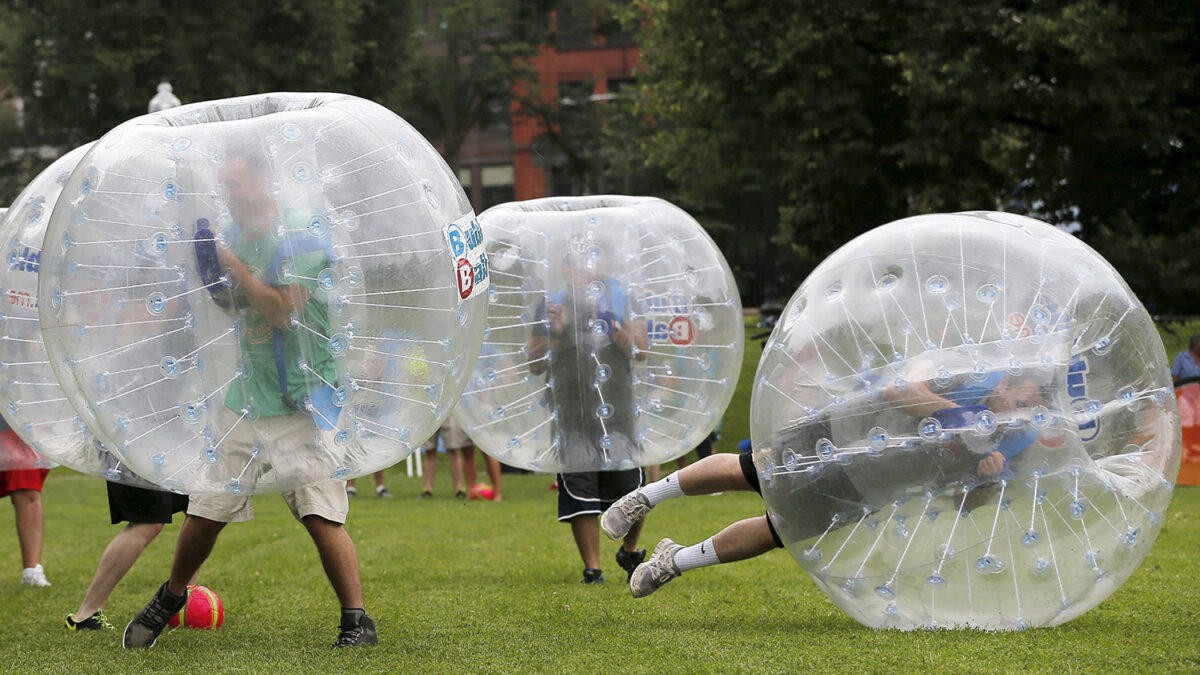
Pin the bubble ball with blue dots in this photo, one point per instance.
(966, 420)
(260, 293)
(614, 338)
(30, 399)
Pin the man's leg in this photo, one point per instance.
(454, 457)
(27, 506)
(715, 473)
(744, 539)
(586, 530)
(429, 463)
(339, 558)
(493, 471)
(196, 539)
(470, 471)
(116, 561)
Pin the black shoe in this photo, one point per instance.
(629, 560)
(357, 630)
(145, 627)
(460, 495)
(591, 575)
(425, 495)
(351, 491)
(96, 621)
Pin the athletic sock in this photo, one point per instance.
(697, 555)
(662, 490)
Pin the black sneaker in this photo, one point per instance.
(383, 493)
(629, 560)
(591, 575)
(425, 495)
(461, 494)
(357, 630)
(145, 627)
(96, 621)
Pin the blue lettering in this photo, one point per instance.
(1076, 384)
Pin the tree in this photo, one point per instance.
(832, 118)
(470, 54)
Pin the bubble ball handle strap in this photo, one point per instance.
(206, 256)
(958, 417)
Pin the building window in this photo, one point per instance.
(497, 184)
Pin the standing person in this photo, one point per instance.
(457, 444)
(1186, 364)
(839, 484)
(145, 511)
(24, 488)
(380, 487)
(578, 322)
(277, 389)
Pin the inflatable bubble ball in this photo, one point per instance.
(30, 399)
(965, 420)
(614, 338)
(255, 294)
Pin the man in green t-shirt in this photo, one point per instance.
(273, 284)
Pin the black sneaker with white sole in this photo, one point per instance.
(356, 630)
(144, 629)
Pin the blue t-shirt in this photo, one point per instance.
(1184, 366)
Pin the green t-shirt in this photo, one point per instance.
(309, 341)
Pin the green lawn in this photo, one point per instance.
(493, 587)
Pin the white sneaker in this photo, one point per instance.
(658, 570)
(34, 576)
(620, 517)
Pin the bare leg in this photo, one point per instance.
(454, 457)
(469, 469)
(653, 473)
(429, 459)
(721, 472)
(120, 555)
(379, 480)
(493, 471)
(27, 506)
(744, 539)
(586, 530)
(338, 557)
(629, 543)
(195, 543)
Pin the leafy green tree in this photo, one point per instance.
(468, 56)
(810, 121)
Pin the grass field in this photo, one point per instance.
(493, 587)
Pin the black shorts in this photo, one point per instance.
(141, 505)
(751, 474)
(593, 491)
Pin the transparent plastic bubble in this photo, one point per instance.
(614, 340)
(332, 386)
(1035, 415)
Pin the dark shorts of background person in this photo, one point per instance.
(706, 446)
(141, 505)
(592, 492)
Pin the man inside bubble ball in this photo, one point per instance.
(276, 394)
(588, 347)
(955, 403)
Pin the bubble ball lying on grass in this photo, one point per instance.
(614, 339)
(259, 293)
(966, 420)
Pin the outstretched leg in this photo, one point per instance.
(715, 473)
(744, 539)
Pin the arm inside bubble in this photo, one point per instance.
(276, 303)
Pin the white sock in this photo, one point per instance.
(662, 490)
(697, 555)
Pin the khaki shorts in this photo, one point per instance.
(293, 439)
(453, 437)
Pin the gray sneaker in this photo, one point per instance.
(656, 571)
(626, 511)
(145, 627)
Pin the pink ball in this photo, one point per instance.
(203, 609)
